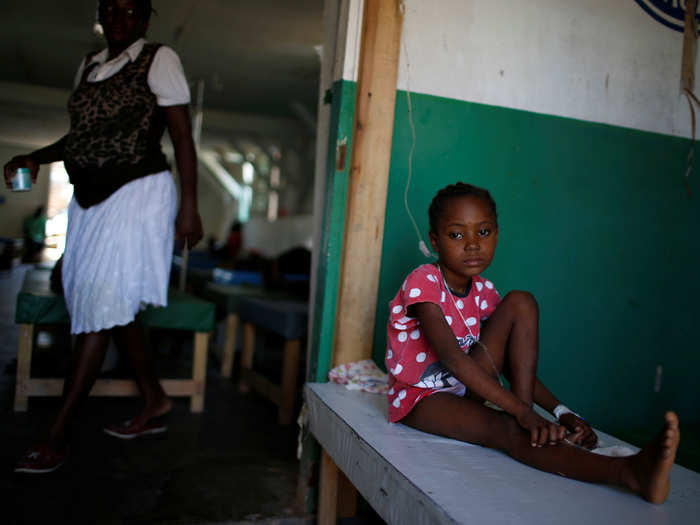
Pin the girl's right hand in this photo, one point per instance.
(20, 161)
(541, 430)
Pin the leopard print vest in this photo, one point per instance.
(116, 127)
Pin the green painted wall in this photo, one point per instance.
(595, 221)
(342, 114)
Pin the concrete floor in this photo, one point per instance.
(231, 464)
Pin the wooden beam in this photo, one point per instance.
(689, 47)
(328, 491)
(199, 371)
(347, 497)
(369, 177)
(110, 387)
(247, 355)
(290, 371)
(229, 345)
(24, 363)
(262, 385)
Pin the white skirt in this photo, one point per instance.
(118, 254)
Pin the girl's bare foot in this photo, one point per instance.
(649, 470)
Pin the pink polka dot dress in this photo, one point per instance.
(414, 368)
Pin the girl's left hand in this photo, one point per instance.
(581, 432)
(188, 225)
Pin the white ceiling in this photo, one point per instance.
(255, 56)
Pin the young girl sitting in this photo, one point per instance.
(450, 336)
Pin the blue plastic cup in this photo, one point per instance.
(22, 180)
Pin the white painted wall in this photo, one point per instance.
(273, 238)
(604, 61)
(353, 10)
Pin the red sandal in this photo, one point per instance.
(40, 460)
(130, 430)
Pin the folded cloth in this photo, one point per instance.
(363, 375)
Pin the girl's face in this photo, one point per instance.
(466, 239)
(123, 22)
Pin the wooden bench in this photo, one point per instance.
(408, 476)
(227, 298)
(288, 318)
(202, 269)
(37, 305)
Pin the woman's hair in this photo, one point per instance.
(144, 6)
(459, 189)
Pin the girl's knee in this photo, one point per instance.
(524, 303)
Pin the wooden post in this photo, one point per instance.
(247, 356)
(328, 491)
(347, 496)
(369, 176)
(290, 370)
(199, 371)
(24, 364)
(229, 345)
(690, 36)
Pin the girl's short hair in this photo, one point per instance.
(144, 6)
(459, 189)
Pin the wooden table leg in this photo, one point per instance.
(328, 491)
(199, 371)
(24, 365)
(247, 354)
(290, 368)
(347, 497)
(229, 345)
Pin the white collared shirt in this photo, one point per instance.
(166, 78)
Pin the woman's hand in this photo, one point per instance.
(581, 432)
(542, 432)
(188, 225)
(20, 161)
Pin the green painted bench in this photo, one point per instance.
(38, 305)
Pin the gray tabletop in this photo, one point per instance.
(412, 477)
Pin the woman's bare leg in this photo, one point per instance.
(512, 338)
(646, 473)
(87, 361)
(130, 341)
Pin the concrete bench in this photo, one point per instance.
(408, 476)
(288, 318)
(37, 305)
